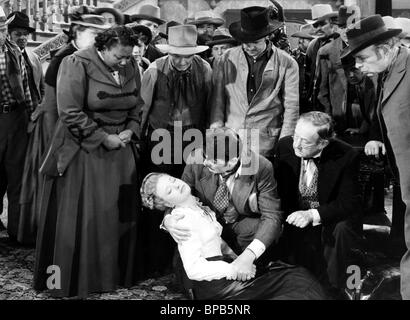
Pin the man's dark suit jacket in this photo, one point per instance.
(338, 188)
(253, 195)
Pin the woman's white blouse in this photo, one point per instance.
(205, 242)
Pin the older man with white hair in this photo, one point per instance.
(370, 42)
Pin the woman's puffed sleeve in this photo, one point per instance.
(71, 94)
(195, 265)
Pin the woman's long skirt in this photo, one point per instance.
(32, 183)
(87, 232)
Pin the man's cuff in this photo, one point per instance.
(316, 217)
(257, 247)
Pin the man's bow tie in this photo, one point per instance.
(315, 160)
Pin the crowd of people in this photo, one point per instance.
(101, 176)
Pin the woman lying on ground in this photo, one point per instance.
(202, 254)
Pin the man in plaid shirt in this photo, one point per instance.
(15, 109)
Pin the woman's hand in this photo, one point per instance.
(246, 270)
(113, 141)
(125, 136)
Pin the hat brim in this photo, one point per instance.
(322, 18)
(216, 21)
(349, 50)
(222, 41)
(302, 35)
(237, 33)
(29, 29)
(119, 17)
(181, 50)
(92, 25)
(146, 17)
(4, 24)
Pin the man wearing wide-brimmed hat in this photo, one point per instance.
(324, 22)
(370, 42)
(330, 83)
(149, 16)
(207, 22)
(221, 41)
(174, 98)
(16, 107)
(19, 30)
(305, 36)
(256, 85)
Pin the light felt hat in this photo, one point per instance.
(182, 40)
(322, 12)
(208, 16)
(148, 12)
(404, 25)
(3, 20)
(305, 32)
(222, 36)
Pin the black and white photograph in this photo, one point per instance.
(204, 154)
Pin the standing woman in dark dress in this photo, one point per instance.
(83, 29)
(88, 210)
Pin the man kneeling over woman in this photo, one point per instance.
(207, 258)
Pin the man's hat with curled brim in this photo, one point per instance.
(322, 12)
(222, 36)
(182, 40)
(366, 32)
(92, 21)
(149, 12)
(118, 15)
(305, 32)
(20, 20)
(254, 25)
(208, 16)
(3, 20)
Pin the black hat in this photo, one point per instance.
(168, 25)
(344, 13)
(21, 20)
(221, 36)
(137, 29)
(367, 32)
(348, 62)
(254, 25)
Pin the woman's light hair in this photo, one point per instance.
(148, 188)
(322, 121)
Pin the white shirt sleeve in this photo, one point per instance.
(316, 217)
(257, 247)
